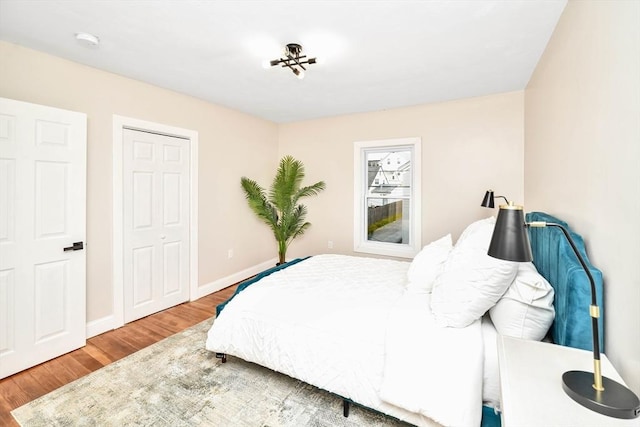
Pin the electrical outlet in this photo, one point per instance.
(330, 244)
(230, 253)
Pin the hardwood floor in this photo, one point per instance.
(102, 350)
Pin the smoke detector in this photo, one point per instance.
(88, 40)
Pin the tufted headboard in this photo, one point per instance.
(556, 261)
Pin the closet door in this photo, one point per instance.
(156, 203)
(42, 234)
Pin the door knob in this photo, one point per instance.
(77, 246)
(163, 237)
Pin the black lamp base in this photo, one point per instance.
(615, 401)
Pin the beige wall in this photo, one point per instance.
(468, 146)
(231, 144)
(582, 154)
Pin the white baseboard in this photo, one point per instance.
(100, 326)
(216, 285)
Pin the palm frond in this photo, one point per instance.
(258, 202)
(311, 190)
(298, 224)
(286, 182)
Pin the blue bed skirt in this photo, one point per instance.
(490, 418)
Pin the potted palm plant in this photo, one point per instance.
(280, 209)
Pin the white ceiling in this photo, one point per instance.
(377, 54)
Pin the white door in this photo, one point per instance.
(42, 233)
(156, 222)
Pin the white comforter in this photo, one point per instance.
(346, 325)
(432, 370)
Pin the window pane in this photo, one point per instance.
(387, 195)
(388, 220)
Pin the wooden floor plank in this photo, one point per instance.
(5, 415)
(28, 384)
(102, 350)
(42, 376)
(86, 360)
(110, 344)
(157, 326)
(57, 368)
(138, 338)
(75, 367)
(11, 394)
(97, 354)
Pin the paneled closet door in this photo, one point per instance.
(156, 204)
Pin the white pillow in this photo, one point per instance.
(427, 265)
(478, 234)
(526, 309)
(472, 281)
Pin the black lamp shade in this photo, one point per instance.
(510, 240)
(487, 201)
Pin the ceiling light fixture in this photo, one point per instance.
(292, 59)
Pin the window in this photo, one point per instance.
(387, 197)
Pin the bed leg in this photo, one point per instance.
(222, 356)
(346, 405)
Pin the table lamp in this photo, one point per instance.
(510, 241)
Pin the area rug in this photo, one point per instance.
(177, 382)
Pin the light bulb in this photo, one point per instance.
(266, 64)
(300, 75)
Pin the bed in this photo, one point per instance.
(413, 340)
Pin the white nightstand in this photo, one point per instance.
(531, 385)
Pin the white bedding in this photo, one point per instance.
(432, 370)
(491, 377)
(345, 324)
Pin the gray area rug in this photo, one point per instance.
(177, 382)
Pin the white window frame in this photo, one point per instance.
(360, 170)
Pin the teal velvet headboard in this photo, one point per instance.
(556, 261)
